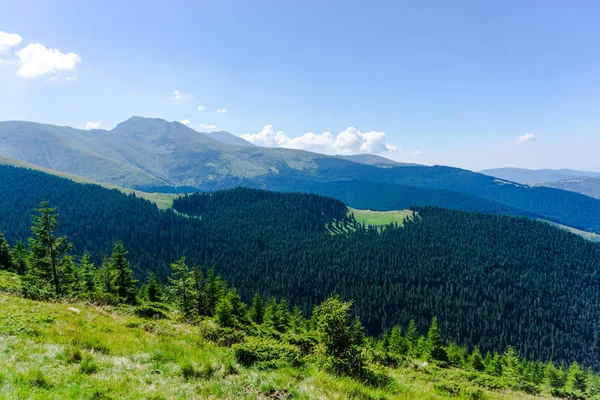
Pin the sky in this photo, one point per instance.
(472, 84)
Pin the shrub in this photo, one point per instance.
(221, 336)
(149, 311)
(305, 342)
(266, 353)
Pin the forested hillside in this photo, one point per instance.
(152, 154)
(492, 280)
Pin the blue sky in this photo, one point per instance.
(447, 82)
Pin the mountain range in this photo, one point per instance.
(538, 176)
(155, 155)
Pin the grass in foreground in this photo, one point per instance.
(78, 351)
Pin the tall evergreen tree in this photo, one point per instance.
(476, 361)
(397, 343)
(46, 254)
(412, 337)
(88, 273)
(183, 288)
(19, 258)
(125, 284)
(435, 344)
(257, 309)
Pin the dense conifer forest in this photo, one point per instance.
(492, 281)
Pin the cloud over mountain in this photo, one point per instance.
(350, 141)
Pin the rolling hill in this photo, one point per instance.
(588, 186)
(156, 155)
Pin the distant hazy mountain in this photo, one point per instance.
(530, 176)
(378, 161)
(587, 186)
(156, 155)
(228, 138)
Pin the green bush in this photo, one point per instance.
(266, 353)
(149, 311)
(305, 342)
(221, 336)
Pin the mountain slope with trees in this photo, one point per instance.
(491, 280)
(156, 155)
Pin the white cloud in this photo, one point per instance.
(201, 108)
(418, 153)
(525, 138)
(37, 60)
(350, 141)
(222, 110)
(8, 40)
(206, 127)
(177, 95)
(185, 121)
(92, 125)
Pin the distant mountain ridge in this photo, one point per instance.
(530, 176)
(228, 138)
(152, 154)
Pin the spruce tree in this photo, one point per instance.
(396, 343)
(88, 274)
(412, 337)
(576, 378)
(19, 258)
(183, 288)
(153, 288)
(435, 344)
(125, 284)
(257, 309)
(46, 254)
(476, 361)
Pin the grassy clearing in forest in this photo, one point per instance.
(381, 218)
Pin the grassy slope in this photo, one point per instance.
(123, 356)
(162, 200)
(379, 218)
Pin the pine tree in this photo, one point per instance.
(270, 315)
(125, 285)
(6, 262)
(69, 277)
(397, 343)
(106, 277)
(476, 361)
(511, 367)
(412, 337)
(183, 288)
(257, 309)
(224, 313)
(435, 344)
(19, 258)
(576, 378)
(88, 274)
(46, 253)
(214, 289)
(153, 288)
(297, 320)
(553, 376)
